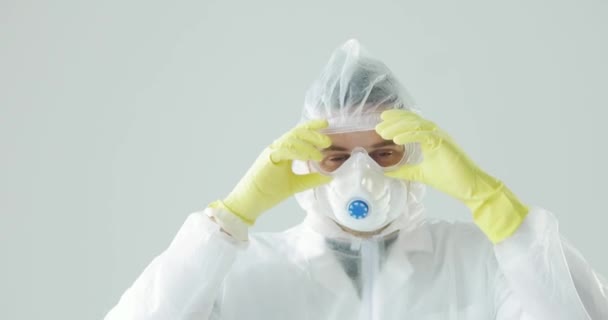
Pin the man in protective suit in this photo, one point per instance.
(358, 163)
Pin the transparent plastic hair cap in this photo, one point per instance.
(352, 91)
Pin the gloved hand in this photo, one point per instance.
(496, 210)
(271, 180)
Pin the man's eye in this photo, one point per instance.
(338, 158)
(386, 153)
(383, 153)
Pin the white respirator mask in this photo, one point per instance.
(360, 197)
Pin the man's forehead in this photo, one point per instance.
(366, 139)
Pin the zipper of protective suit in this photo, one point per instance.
(370, 266)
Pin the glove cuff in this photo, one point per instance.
(500, 214)
(230, 222)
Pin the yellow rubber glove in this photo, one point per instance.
(271, 180)
(496, 210)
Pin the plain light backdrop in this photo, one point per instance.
(119, 118)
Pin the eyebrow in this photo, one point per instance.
(384, 144)
(335, 148)
(377, 145)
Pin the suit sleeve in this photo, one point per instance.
(546, 275)
(184, 280)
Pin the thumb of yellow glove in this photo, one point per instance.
(271, 180)
(446, 167)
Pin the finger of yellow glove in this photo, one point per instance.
(316, 124)
(316, 138)
(308, 181)
(425, 138)
(397, 113)
(295, 149)
(385, 124)
(390, 130)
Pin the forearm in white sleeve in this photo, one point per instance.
(184, 280)
(549, 277)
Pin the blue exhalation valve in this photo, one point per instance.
(358, 209)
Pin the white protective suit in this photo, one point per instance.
(415, 269)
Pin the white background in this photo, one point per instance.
(118, 118)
